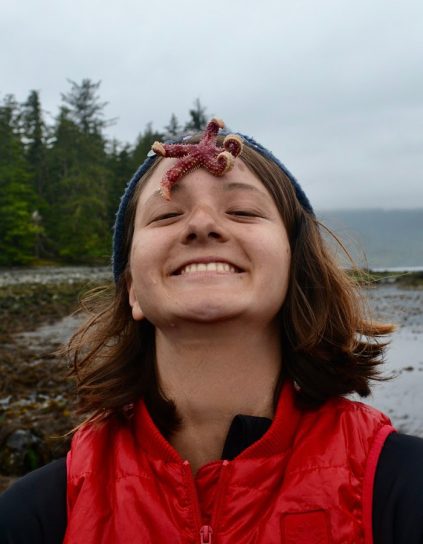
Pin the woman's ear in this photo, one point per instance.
(137, 312)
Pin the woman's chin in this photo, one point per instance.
(207, 312)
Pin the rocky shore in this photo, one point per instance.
(36, 395)
(37, 407)
(401, 397)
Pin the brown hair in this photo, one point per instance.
(330, 347)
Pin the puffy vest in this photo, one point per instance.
(308, 480)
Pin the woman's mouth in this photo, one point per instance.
(219, 267)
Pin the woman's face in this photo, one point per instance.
(218, 250)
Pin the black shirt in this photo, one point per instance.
(33, 510)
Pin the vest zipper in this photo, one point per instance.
(206, 534)
(205, 531)
(220, 492)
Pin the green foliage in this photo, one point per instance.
(84, 106)
(198, 116)
(79, 223)
(82, 231)
(34, 137)
(60, 184)
(121, 167)
(17, 229)
(143, 144)
(173, 129)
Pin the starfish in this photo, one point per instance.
(205, 154)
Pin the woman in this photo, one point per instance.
(213, 381)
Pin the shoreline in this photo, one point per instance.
(401, 398)
(77, 273)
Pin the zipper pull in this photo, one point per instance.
(206, 534)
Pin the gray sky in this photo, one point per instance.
(333, 87)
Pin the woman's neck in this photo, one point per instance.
(213, 375)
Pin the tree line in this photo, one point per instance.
(60, 184)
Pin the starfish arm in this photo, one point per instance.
(213, 127)
(172, 150)
(218, 166)
(233, 144)
(165, 187)
(159, 149)
(182, 167)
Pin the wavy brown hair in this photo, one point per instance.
(330, 345)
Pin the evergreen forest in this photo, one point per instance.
(60, 183)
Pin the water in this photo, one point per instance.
(380, 239)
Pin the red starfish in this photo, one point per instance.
(205, 154)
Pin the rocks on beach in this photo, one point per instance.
(36, 396)
(401, 398)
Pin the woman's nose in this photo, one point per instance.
(204, 225)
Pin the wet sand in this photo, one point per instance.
(402, 397)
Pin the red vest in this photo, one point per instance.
(308, 480)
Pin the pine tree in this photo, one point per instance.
(18, 230)
(34, 132)
(198, 121)
(79, 223)
(85, 109)
(121, 169)
(143, 144)
(173, 129)
(34, 135)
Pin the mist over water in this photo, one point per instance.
(380, 239)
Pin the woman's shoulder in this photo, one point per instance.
(33, 509)
(398, 491)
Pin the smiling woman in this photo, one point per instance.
(212, 379)
(225, 222)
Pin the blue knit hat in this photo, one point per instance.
(118, 259)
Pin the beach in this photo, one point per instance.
(402, 397)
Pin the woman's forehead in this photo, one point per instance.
(239, 174)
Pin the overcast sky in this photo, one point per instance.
(333, 87)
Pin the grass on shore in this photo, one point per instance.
(407, 280)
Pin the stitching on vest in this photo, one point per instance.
(317, 467)
(88, 474)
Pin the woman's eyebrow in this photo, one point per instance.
(158, 194)
(227, 186)
(234, 185)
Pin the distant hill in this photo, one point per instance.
(387, 238)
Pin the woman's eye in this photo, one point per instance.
(164, 216)
(243, 213)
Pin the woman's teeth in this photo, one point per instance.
(208, 267)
